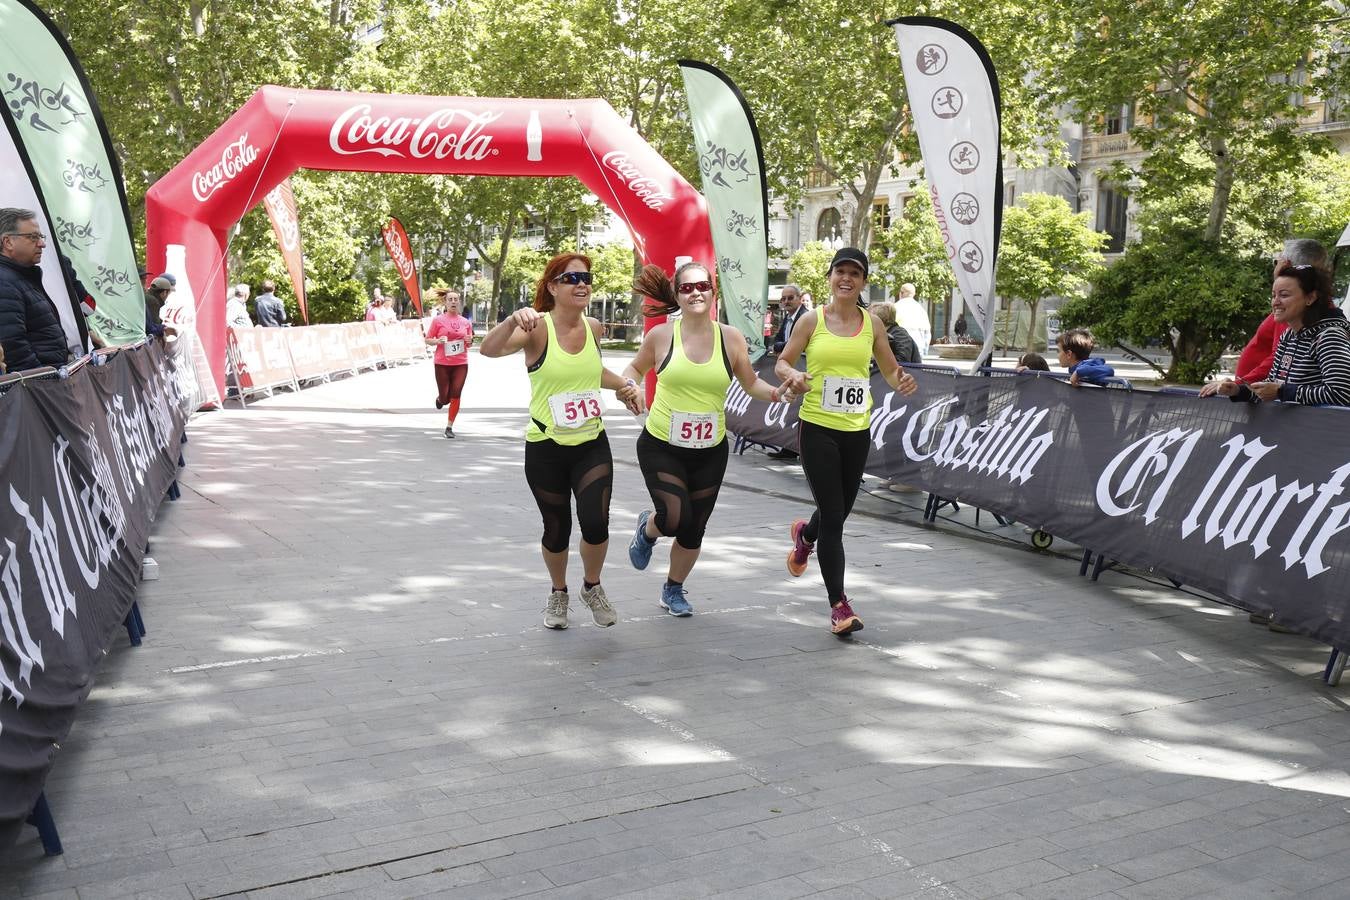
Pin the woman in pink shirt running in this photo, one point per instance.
(452, 335)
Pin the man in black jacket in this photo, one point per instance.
(30, 328)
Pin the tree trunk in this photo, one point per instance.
(1224, 176)
(1031, 329)
(497, 266)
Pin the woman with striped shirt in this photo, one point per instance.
(1312, 360)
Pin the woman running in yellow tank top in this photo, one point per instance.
(840, 340)
(566, 450)
(683, 449)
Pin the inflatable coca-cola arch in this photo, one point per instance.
(280, 130)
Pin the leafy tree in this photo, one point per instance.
(1046, 250)
(809, 270)
(911, 250)
(1180, 289)
(1215, 85)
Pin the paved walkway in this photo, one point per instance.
(347, 690)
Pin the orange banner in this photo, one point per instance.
(281, 209)
(401, 252)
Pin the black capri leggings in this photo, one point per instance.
(833, 462)
(683, 483)
(585, 471)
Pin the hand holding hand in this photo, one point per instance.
(797, 382)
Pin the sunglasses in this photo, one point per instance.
(575, 278)
(690, 286)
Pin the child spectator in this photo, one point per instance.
(1075, 354)
(1032, 362)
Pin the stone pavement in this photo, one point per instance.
(346, 689)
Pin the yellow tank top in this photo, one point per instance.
(565, 404)
(840, 396)
(689, 408)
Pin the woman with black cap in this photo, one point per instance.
(840, 340)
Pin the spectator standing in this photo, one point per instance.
(236, 308)
(793, 310)
(1254, 363)
(902, 344)
(1312, 359)
(270, 310)
(30, 327)
(961, 327)
(911, 316)
(1075, 354)
(156, 295)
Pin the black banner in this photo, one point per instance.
(85, 463)
(1243, 501)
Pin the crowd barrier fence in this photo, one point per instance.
(263, 359)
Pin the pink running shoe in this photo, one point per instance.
(843, 620)
(801, 549)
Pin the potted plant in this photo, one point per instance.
(956, 347)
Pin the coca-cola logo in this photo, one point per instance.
(234, 159)
(453, 133)
(399, 251)
(288, 227)
(648, 190)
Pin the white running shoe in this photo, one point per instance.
(555, 614)
(599, 605)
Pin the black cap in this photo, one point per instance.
(850, 254)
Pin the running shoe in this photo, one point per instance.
(801, 549)
(439, 404)
(598, 603)
(843, 620)
(555, 614)
(672, 598)
(449, 432)
(640, 547)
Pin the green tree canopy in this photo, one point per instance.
(911, 251)
(1046, 250)
(809, 270)
(1176, 287)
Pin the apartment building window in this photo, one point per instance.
(828, 225)
(1112, 204)
(1009, 194)
(881, 214)
(1120, 120)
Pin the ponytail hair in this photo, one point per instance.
(659, 288)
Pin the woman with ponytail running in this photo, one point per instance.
(840, 339)
(452, 335)
(683, 448)
(566, 451)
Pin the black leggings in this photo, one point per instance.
(585, 471)
(683, 483)
(833, 462)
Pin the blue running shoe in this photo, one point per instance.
(672, 598)
(640, 547)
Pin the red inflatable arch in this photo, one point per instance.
(280, 130)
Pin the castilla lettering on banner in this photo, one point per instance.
(1002, 447)
(442, 133)
(646, 189)
(235, 158)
